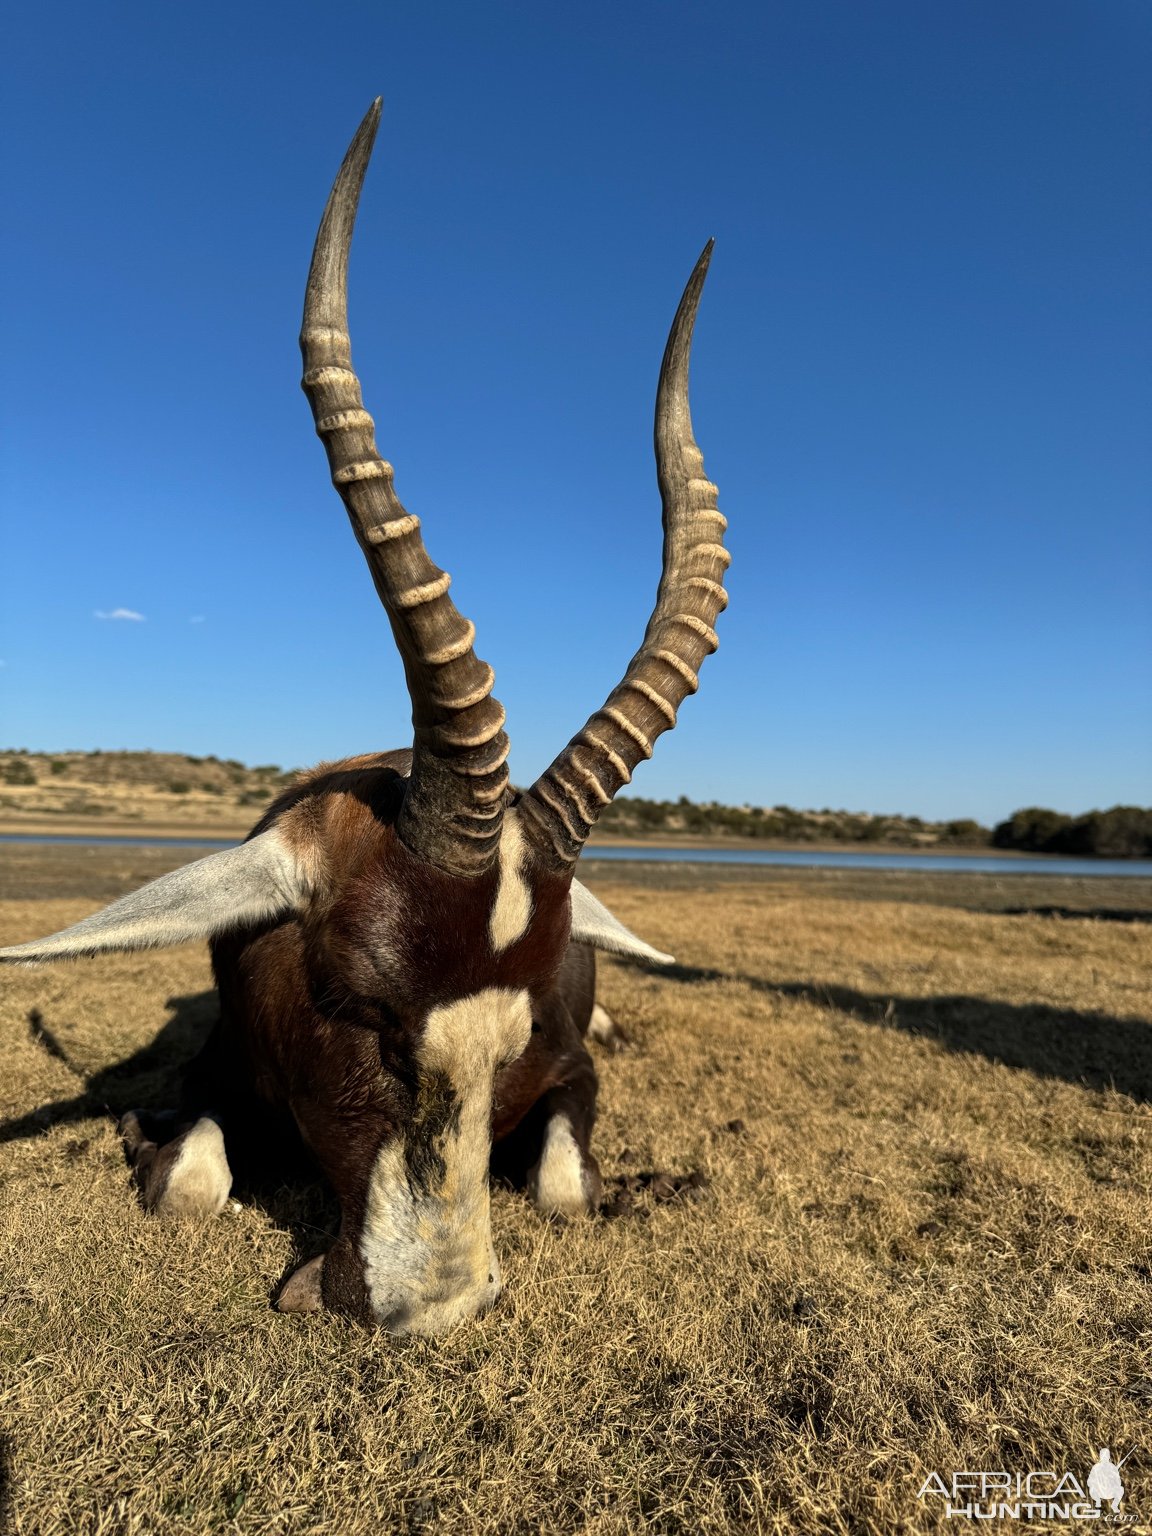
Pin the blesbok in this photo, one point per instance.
(405, 961)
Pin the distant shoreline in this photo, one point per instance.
(106, 830)
(815, 845)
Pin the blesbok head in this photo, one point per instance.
(399, 943)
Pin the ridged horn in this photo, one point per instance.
(454, 803)
(566, 800)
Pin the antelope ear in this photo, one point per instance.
(256, 880)
(592, 923)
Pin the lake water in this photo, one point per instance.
(931, 863)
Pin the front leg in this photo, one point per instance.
(179, 1159)
(545, 1107)
(180, 1168)
(565, 1180)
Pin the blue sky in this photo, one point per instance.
(921, 379)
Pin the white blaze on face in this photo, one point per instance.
(513, 905)
(427, 1241)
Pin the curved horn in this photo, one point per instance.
(567, 798)
(454, 803)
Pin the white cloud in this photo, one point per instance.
(121, 613)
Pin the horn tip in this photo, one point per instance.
(369, 123)
(360, 149)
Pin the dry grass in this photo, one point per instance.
(926, 1248)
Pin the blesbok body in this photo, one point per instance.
(405, 961)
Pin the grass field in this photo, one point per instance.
(925, 1120)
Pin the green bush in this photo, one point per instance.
(1124, 832)
(965, 830)
(1032, 829)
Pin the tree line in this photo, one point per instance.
(637, 817)
(1124, 832)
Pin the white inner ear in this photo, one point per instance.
(246, 884)
(592, 923)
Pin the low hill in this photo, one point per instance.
(152, 789)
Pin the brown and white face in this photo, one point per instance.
(421, 1256)
(444, 975)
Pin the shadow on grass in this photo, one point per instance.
(1094, 914)
(1098, 1050)
(1091, 1049)
(148, 1079)
(279, 1177)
